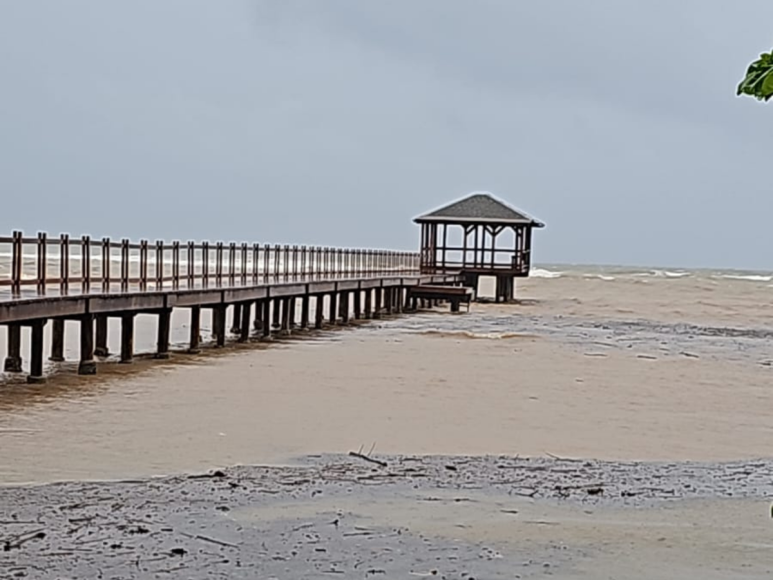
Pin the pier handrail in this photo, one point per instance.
(57, 263)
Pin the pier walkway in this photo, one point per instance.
(270, 288)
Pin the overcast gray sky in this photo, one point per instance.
(337, 121)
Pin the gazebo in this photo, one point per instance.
(478, 236)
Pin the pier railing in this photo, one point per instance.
(63, 265)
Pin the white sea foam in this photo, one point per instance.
(661, 274)
(469, 334)
(748, 277)
(668, 274)
(543, 273)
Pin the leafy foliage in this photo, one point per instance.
(759, 79)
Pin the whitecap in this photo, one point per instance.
(749, 277)
(669, 274)
(542, 273)
(469, 334)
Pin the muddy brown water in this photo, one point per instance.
(570, 371)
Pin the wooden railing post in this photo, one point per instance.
(105, 264)
(255, 263)
(266, 262)
(160, 270)
(143, 265)
(86, 264)
(42, 262)
(219, 264)
(17, 262)
(205, 264)
(175, 264)
(232, 264)
(191, 265)
(244, 264)
(124, 265)
(64, 264)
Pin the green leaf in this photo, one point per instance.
(758, 82)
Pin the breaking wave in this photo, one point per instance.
(543, 273)
(469, 334)
(748, 278)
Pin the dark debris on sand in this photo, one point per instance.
(183, 526)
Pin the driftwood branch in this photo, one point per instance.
(559, 458)
(359, 455)
(210, 540)
(21, 539)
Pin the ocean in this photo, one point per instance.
(612, 420)
(615, 363)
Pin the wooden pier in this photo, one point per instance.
(269, 289)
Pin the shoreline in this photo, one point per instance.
(711, 475)
(484, 516)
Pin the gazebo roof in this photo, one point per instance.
(479, 208)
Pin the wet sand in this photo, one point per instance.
(466, 518)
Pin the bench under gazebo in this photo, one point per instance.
(478, 236)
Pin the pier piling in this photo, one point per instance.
(266, 329)
(257, 324)
(57, 340)
(236, 324)
(305, 311)
(319, 319)
(218, 324)
(378, 302)
(36, 353)
(292, 304)
(87, 365)
(285, 327)
(276, 312)
(164, 329)
(358, 305)
(127, 338)
(245, 309)
(333, 307)
(100, 346)
(195, 330)
(13, 363)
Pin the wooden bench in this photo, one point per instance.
(456, 295)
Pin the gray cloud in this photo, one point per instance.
(336, 122)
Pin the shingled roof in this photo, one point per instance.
(479, 208)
